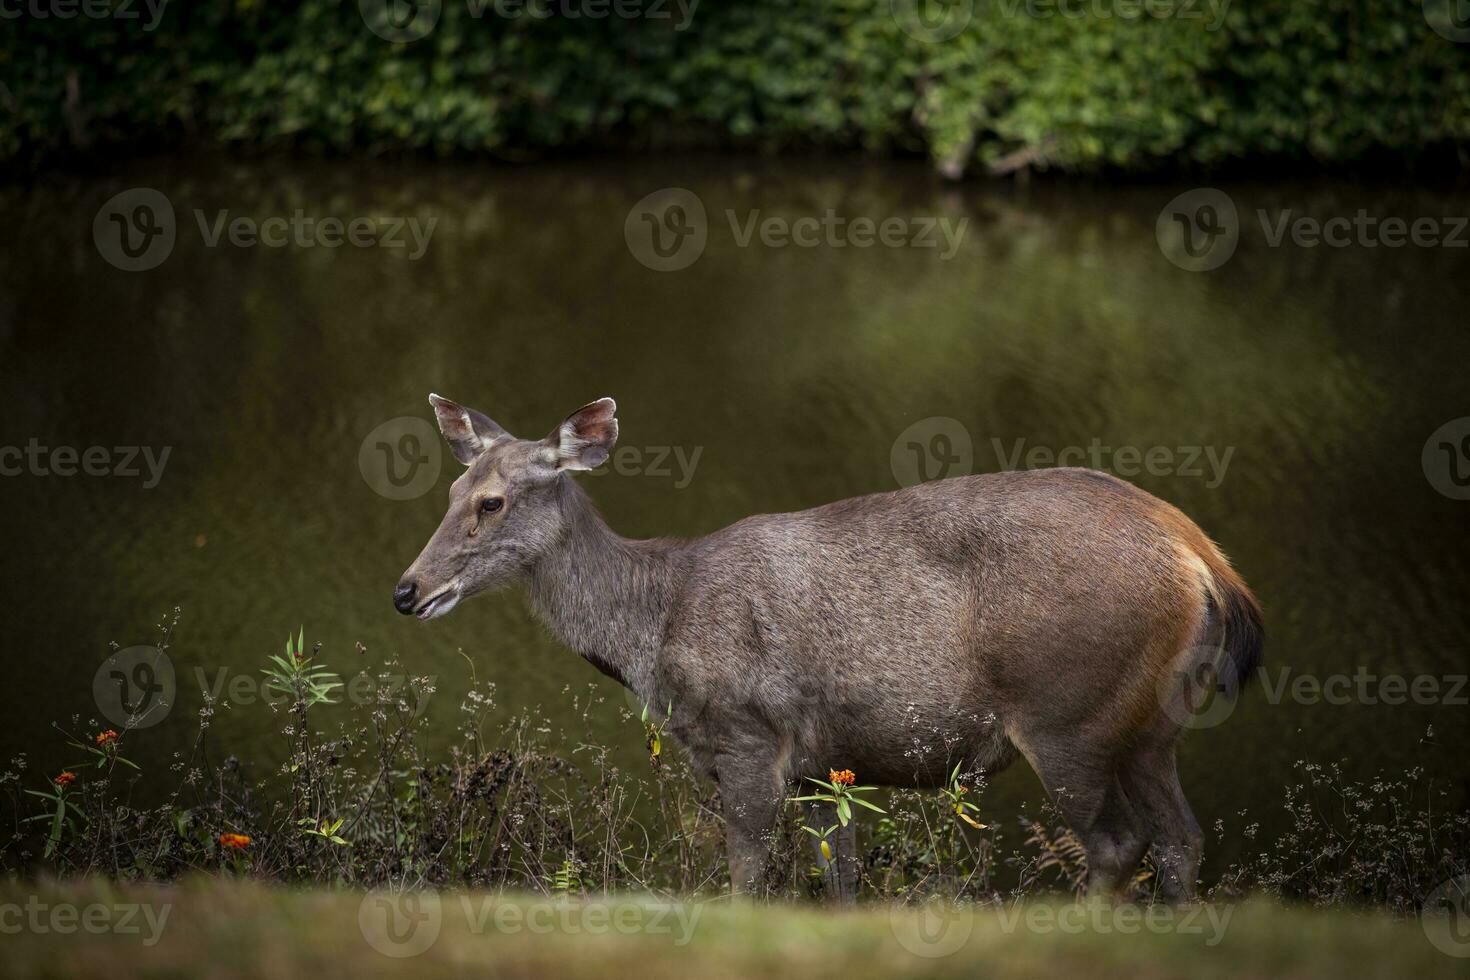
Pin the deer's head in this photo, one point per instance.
(504, 510)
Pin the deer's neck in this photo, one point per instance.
(605, 596)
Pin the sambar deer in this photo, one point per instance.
(1059, 614)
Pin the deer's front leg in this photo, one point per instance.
(752, 786)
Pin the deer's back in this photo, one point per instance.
(938, 605)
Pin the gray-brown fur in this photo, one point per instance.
(1046, 613)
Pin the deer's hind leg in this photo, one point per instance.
(1085, 786)
(1151, 778)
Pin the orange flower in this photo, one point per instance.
(842, 777)
(235, 842)
(107, 739)
(65, 779)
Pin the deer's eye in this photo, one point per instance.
(491, 504)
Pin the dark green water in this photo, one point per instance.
(791, 371)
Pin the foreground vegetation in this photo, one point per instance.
(536, 806)
(238, 929)
(1084, 84)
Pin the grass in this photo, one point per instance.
(220, 928)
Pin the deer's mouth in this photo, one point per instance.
(439, 603)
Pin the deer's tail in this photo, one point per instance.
(1234, 625)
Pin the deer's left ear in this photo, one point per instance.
(586, 438)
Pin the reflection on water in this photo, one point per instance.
(1285, 397)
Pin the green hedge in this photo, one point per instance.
(1086, 84)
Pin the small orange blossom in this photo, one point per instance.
(235, 842)
(65, 779)
(842, 777)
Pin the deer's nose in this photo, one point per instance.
(403, 597)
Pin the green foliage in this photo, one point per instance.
(1105, 83)
(294, 675)
(324, 830)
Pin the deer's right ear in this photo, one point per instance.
(468, 432)
(586, 438)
